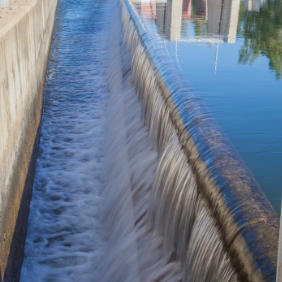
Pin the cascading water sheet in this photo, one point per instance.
(153, 221)
(132, 251)
(63, 241)
(231, 214)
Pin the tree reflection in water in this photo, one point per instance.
(262, 32)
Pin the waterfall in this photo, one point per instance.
(135, 180)
(179, 203)
(133, 253)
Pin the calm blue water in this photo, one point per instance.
(231, 56)
(63, 241)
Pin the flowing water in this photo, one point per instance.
(63, 241)
(115, 197)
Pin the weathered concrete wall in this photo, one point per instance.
(25, 36)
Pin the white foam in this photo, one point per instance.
(63, 241)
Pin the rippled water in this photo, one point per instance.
(230, 54)
(63, 241)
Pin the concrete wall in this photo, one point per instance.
(25, 36)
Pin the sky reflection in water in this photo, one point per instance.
(229, 52)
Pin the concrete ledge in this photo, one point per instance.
(25, 36)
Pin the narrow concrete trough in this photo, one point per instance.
(25, 37)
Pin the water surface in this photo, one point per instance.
(230, 54)
(63, 241)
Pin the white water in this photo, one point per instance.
(133, 253)
(114, 197)
(63, 241)
(175, 215)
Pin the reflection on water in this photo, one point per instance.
(230, 53)
(253, 5)
(213, 18)
(219, 21)
(262, 34)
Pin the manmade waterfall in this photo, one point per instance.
(135, 180)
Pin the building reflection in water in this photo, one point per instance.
(253, 5)
(215, 20)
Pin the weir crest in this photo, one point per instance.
(180, 204)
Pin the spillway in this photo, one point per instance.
(134, 179)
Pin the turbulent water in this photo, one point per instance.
(133, 252)
(90, 205)
(114, 197)
(63, 241)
